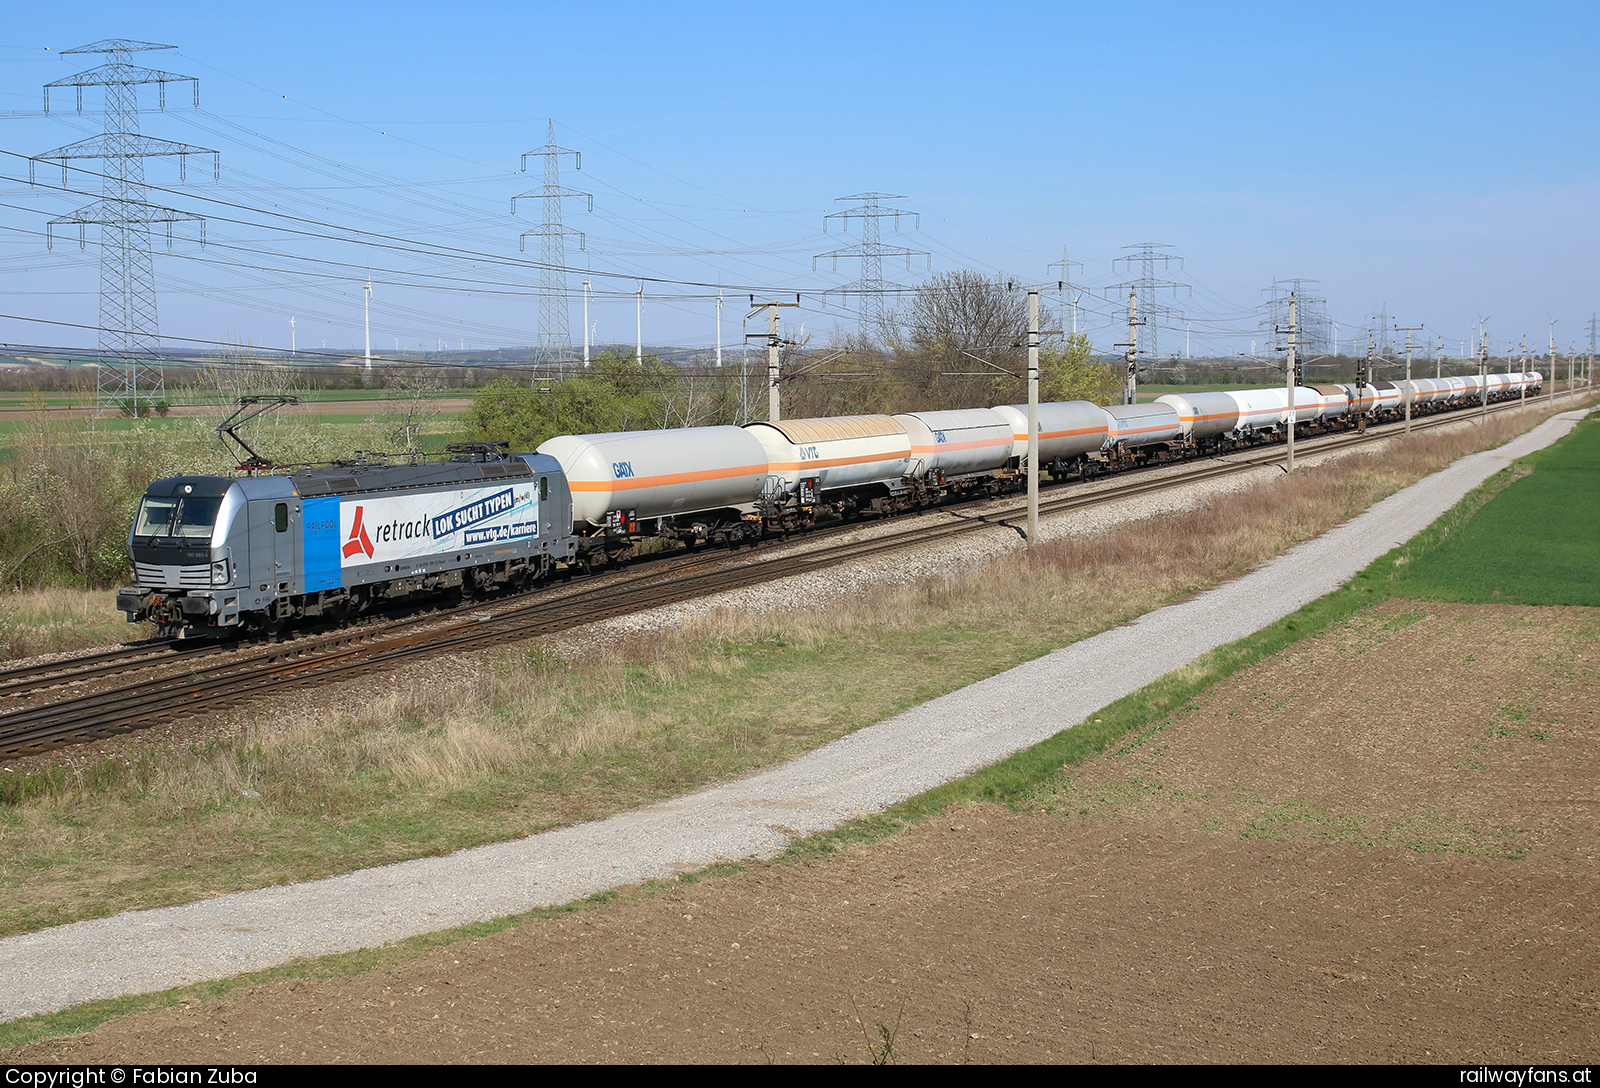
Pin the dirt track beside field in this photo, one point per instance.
(1379, 845)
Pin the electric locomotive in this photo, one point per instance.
(215, 555)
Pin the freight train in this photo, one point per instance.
(216, 555)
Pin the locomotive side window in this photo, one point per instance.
(280, 517)
(544, 488)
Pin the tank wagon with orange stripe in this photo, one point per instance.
(1136, 433)
(1069, 431)
(694, 483)
(846, 463)
(884, 464)
(1203, 415)
(967, 444)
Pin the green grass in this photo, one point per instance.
(1537, 542)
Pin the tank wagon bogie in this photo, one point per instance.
(216, 555)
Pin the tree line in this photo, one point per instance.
(960, 343)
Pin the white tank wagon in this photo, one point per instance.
(1310, 406)
(1268, 409)
(1430, 391)
(1068, 430)
(1335, 402)
(815, 459)
(1502, 386)
(1516, 381)
(1136, 433)
(1259, 409)
(836, 466)
(1203, 415)
(1361, 398)
(1388, 398)
(695, 483)
(949, 445)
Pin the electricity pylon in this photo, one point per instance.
(870, 288)
(129, 331)
(555, 337)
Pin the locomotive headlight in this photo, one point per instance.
(219, 573)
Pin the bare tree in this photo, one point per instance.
(960, 326)
(416, 392)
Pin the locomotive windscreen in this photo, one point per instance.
(179, 515)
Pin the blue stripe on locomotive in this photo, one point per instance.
(320, 556)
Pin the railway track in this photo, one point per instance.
(212, 677)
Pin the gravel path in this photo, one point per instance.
(875, 767)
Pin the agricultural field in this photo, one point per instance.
(1537, 543)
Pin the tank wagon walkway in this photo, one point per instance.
(934, 743)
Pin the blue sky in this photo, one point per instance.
(1439, 159)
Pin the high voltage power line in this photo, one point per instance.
(461, 268)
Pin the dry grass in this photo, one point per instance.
(41, 621)
(533, 739)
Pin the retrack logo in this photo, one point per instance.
(359, 540)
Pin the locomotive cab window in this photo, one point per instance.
(185, 516)
(544, 488)
(280, 517)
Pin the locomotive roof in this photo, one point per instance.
(350, 478)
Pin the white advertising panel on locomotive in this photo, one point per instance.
(379, 528)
